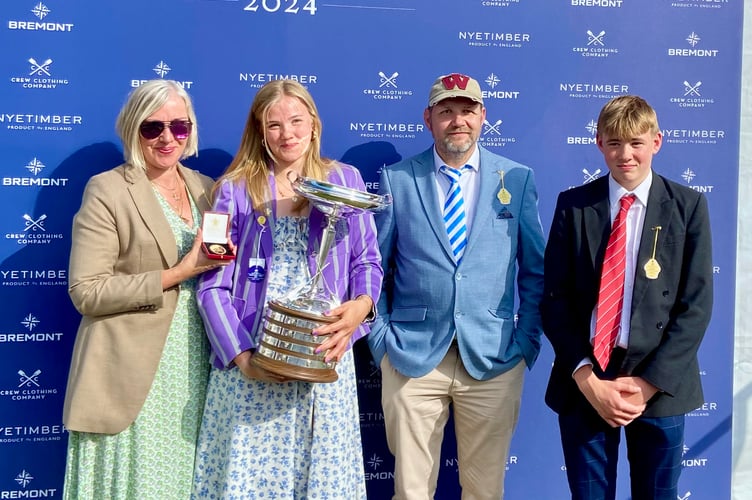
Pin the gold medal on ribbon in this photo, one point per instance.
(261, 220)
(652, 267)
(504, 196)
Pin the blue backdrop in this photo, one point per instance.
(546, 68)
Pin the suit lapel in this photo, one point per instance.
(424, 175)
(488, 187)
(658, 213)
(151, 213)
(596, 220)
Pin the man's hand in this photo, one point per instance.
(616, 401)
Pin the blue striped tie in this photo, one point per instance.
(454, 211)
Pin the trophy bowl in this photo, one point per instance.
(287, 346)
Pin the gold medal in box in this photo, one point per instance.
(214, 231)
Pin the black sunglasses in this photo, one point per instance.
(180, 129)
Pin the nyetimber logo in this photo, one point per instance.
(388, 88)
(257, 80)
(40, 11)
(494, 39)
(161, 69)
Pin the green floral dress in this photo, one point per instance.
(153, 458)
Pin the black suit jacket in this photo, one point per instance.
(669, 314)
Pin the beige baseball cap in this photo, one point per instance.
(455, 85)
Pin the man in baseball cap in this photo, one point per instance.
(461, 237)
(455, 85)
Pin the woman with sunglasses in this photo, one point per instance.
(264, 436)
(138, 374)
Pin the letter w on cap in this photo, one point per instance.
(455, 80)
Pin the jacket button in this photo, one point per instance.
(665, 293)
(659, 325)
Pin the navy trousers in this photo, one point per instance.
(591, 449)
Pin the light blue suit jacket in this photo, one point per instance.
(427, 297)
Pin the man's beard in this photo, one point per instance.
(458, 148)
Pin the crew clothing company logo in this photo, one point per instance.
(595, 45)
(591, 128)
(24, 480)
(691, 96)
(493, 81)
(387, 88)
(689, 175)
(39, 75)
(498, 3)
(258, 80)
(162, 69)
(35, 167)
(593, 90)
(40, 11)
(494, 39)
(29, 387)
(29, 332)
(34, 232)
(492, 136)
(694, 48)
(588, 176)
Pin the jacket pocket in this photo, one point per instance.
(408, 314)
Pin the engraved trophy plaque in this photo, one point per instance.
(287, 346)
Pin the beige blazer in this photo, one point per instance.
(121, 244)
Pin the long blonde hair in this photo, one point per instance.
(253, 160)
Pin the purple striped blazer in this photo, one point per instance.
(231, 304)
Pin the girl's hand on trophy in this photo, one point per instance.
(252, 371)
(350, 315)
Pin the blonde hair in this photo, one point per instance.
(627, 116)
(253, 161)
(142, 102)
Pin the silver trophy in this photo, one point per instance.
(287, 346)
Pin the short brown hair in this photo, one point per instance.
(627, 116)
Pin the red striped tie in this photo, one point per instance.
(611, 293)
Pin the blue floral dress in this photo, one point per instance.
(295, 440)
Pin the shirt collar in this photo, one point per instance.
(641, 192)
(473, 161)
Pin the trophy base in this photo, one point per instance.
(287, 347)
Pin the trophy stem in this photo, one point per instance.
(327, 237)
